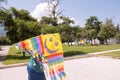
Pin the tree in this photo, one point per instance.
(49, 21)
(77, 32)
(92, 28)
(27, 29)
(66, 30)
(4, 40)
(108, 30)
(21, 14)
(118, 28)
(49, 25)
(2, 1)
(91, 35)
(19, 24)
(117, 36)
(53, 8)
(6, 17)
(49, 29)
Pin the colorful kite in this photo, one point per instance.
(49, 47)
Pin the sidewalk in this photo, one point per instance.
(3, 54)
(105, 51)
(90, 68)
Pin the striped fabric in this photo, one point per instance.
(50, 47)
(34, 44)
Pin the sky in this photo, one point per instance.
(78, 10)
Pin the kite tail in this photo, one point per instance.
(60, 73)
(56, 74)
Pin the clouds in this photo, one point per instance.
(40, 10)
(43, 9)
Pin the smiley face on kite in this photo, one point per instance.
(52, 44)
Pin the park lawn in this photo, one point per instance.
(15, 56)
(112, 54)
(77, 50)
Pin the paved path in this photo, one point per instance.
(3, 52)
(91, 68)
(102, 52)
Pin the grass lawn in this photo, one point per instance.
(78, 50)
(15, 56)
(112, 54)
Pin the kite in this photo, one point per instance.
(46, 47)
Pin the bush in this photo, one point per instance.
(4, 41)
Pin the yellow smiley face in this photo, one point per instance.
(52, 44)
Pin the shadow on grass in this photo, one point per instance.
(17, 56)
(72, 53)
(12, 57)
(2, 58)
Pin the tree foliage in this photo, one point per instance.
(108, 30)
(117, 36)
(53, 8)
(1, 2)
(92, 28)
(49, 21)
(19, 24)
(66, 30)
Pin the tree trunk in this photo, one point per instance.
(0, 48)
(101, 41)
(91, 42)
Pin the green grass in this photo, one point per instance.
(112, 54)
(78, 50)
(15, 56)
